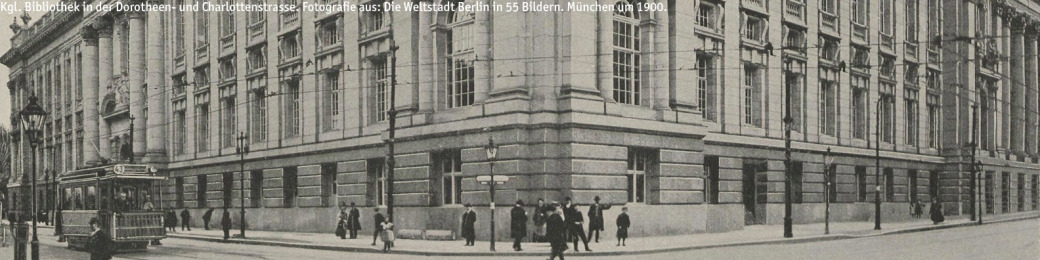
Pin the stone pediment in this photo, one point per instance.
(117, 96)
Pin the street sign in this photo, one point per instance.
(487, 179)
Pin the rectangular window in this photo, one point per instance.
(227, 69)
(228, 182)
(910, 109)
(256, 187)
(707, 15)
(376, 195)
(229, 120)
(1036, 191)
(794, 40)
(201, 29)
(829, 49)
(752, 95)
(860, 12)
(640, 162)
(711, 169)
(706, 85)
(1021, 192)
(990, 186)
(178, 184)
(859, 107)
(794, 98)
(888, 103)
(829, 6)
(860, 57)
(292, 107)
(828, 107)
(331, 113)
(911, 21)
(373, 19)
(381, 88)
(289, 186)
(934, 27)
(861, 183)
(178, 29)
(200, 191)
(934, 121)
(259, 113)
(202, 80)
(626, 59)
(202, 127)
(328, 32)
(1005, 192)
(796, 182)
(179, 125)
(289, 45)
(912, 185)
(256, 58)
(450, 163)
(179, 84)
(227, 24)
(754, 28)
(890, 185)
(886, 17)
(328, 184)
(887, 67)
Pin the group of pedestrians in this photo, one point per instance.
(934, 212)
(170, 221)
(349, 223)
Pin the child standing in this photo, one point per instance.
(388, 235)
(622, 226)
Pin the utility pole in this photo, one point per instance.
(788, 120)
(973, 145)
(877, 167)
(392, 117)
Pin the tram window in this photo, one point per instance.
(66, 199)
(78, 195)
(91, 198)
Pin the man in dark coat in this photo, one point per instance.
(596, 218)
(575, 220)
(353, 221)
(171, 220)
(225, 223)
(556, 232)
(540, 213)
(185, 219)
(622, 226)
(518, 224)
(99, 243)
(378, 219)
(469, 219)
(206, 217)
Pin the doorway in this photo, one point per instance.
(755, 190)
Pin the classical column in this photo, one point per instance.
(104, 57)
(1029, 93)
(135, 84)
(1017, 130)
(156, 85)
(90, 94)
(482, 48)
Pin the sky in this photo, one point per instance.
(5, 45)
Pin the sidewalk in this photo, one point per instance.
(750, 235)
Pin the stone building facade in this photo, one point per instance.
(677, 114)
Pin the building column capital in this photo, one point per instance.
(102, 26)
(90, 35)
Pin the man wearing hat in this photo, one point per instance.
(353, 221)
(596, 218)
(518, 224)
(468, 220)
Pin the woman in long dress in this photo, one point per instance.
(936, 212)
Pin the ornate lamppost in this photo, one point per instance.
(32, 119)
(492, 152)
(242, 149)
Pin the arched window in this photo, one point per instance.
(460, 88)
(626, 58)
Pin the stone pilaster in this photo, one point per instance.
(1018, 71)
(156, 142)
(136, 82)
(1030, 88)
(104, 54)
(89, 73)
(482, 39)
(427, 55)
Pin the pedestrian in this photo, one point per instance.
(341, 223)
(353, 221)
(518, 224)
(387, 234)
(539, 221)
(378, 219)
(622, 226)
(936, 212)
(225, 223)
(596, 218)
(468, 220)
(575, 220)
(99, 243)
(206, 217)
(556, 232)
(185, 219)
(171, 220)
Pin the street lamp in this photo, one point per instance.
(242, 149)
(32, 118)
(492, 152)
(828, 160)
(978, 169)
(788, 120)
(877, 167)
